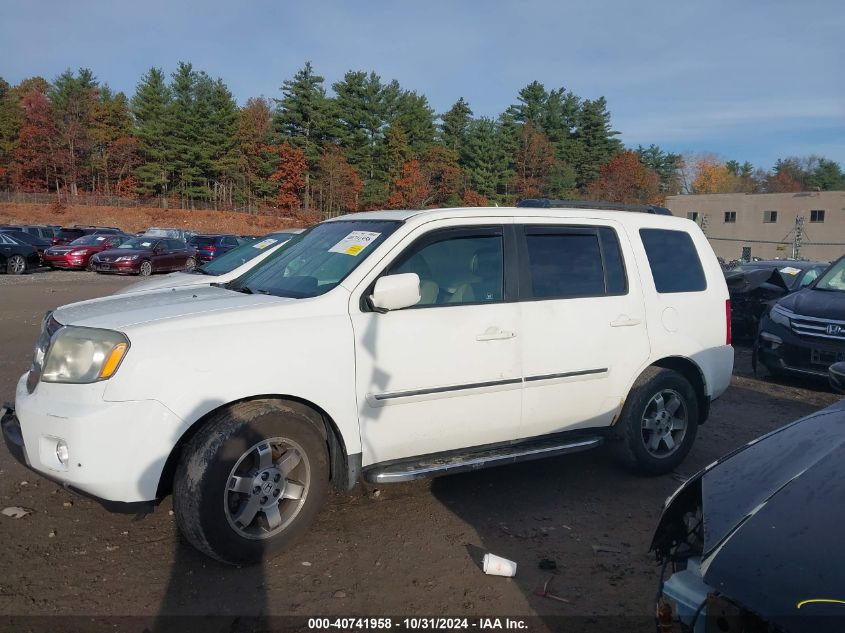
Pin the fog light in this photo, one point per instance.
(61, 452)
(774, 341)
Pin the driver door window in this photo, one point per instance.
(456, 268)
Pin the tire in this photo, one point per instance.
(190, 263)
(220, 482)
(145, 269)
(16, 265)
(641, 423)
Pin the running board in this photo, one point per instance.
(434, 466)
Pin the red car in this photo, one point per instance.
(77, 254)
(69, 234)
(145, 256)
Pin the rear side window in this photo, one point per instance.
(576, 262)
(674, 262)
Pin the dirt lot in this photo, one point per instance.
(407, 549)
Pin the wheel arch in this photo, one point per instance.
(344, 470)
(690, 370)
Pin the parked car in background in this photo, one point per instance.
(44, 231)
(66, 235)
(40, 243)
(210, 246)
(223, 269)
(753, 287)
(180, 234)
(17, 257)
(804, 333)
(408, 344)
(755, 539)
(145, 256)
(77, 255)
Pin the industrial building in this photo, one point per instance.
(805, 225)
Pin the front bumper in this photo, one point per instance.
(116, 450)
(117, 268)
(783, 351)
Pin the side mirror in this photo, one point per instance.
(394, 292)
(836, 375)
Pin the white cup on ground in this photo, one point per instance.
(498, 566)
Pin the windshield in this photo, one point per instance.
(242, 254)
(834, 277)
(138, 243)
(318, 260)
(89, 240)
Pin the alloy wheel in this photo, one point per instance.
(664, 423)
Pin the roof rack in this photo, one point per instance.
(546, 203)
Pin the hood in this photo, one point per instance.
(60, 250)
(123, 311)
(772, 515)
(745, 281)
(173, 280)
(822, 304)
(113, 253)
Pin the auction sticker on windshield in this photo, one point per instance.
(790, 270)
(354, 243)
(264, 243)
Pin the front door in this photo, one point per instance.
(583, 322)
(444, 374)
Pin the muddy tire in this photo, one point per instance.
(658, 423)
(251, 481)
(190, 264)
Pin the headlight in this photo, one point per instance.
(780, 316)
(127, 258)
(84, 355)
(78, 253)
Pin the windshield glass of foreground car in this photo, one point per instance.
(239, 256)
(139, 243)
(317, 261)
(834, 278)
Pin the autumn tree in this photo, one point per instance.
(256, 158)
(34, 156)
(337, 186)
(626, 180)
(114, 149)
(290, 176)
(535, 161)
(411, 190)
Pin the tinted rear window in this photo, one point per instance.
(204, 241)
(674, 262)
(71, 233)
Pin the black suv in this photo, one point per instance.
(804, 333)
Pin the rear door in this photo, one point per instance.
(583, 323)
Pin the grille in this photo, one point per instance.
(818, 328)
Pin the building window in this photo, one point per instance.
(692, 215)
(730, 216)
(817, 215)
(770, 216)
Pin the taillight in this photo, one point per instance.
(728, 322)
(211, 248)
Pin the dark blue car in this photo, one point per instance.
(212, 246)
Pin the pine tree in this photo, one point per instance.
(150, 107)
(74, 98)
(10, 122)
(256, 160)
(481, 156)
(303, 117)
(416, 117)
(455, 122)
(593, 140)
(184, 151)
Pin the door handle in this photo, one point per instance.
(494, 333)
(623, 320)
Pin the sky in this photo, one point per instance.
(744, 79)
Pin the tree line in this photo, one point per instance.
(361, 143)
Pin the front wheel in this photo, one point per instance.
(16, 265)
(658, 424)
(251, 481)
(146, 269)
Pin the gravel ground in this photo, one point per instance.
(405, 549)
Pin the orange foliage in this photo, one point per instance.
(290, 174)
(412, 189)
(626, 180)
(474, 199)
(338, 184)
(535, 159)
(712, 176)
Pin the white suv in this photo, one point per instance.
(385, 345)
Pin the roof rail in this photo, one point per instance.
(546, 203)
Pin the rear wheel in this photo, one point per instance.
(16, 265)
(251, 481)
(146, 269)
(190, 264)
(658, 424)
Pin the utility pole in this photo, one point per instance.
(797, 236)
